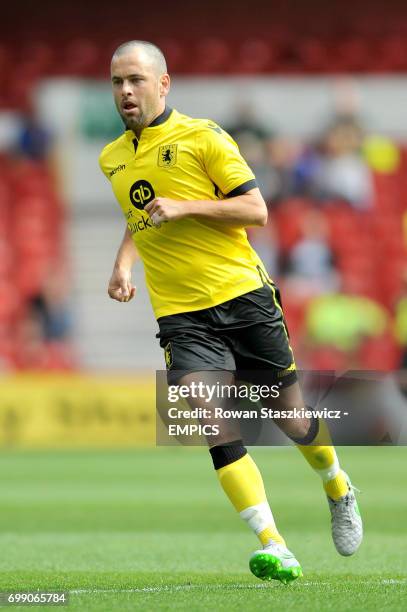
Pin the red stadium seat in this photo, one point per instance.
(294, 313)
(380, 354)
(9, 300)
(391, 55)
(60, 356)
(313, 54)
(35, 59)
(327, 358)
(7, 348)
(255, 55)
(352, 55)
(212, 54)
(31, 275)
(6, 257)
(20, 89)
(174, 53)
(289, 219)
(81, 57)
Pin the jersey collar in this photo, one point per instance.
(161, 118)
(152, 128)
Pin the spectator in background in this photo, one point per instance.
(252, 138)
(271, 156)
(51, 307)
(338, 328)
(52, 314)
(335, 167)
(282, 155)
(309, 265)
(246, 123)
(265, 243)
(43, 333)
(33, 140)
(343, 321)
(253, 149)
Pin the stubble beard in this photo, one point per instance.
(142, 120)
(135, 123)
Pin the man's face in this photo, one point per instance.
(138, 90)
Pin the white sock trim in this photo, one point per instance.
(258, 517)
(330, 472)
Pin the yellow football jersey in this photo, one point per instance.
(190, 263)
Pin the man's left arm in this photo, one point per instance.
(244, 210)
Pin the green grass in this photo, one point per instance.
(151, 530)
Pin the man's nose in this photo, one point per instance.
(126, 90)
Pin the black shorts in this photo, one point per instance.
(246, 335)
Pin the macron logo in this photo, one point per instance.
(117, 169)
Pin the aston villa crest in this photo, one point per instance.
(167, 155)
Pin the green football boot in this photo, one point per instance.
(275, 562)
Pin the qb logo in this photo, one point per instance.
(141, 193)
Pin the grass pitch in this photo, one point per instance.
(152, 530)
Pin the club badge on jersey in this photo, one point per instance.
(167, 155)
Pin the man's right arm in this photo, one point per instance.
(120, 285)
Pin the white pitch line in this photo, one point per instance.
(175, 587)
(213, 587)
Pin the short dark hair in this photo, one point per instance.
(152, 51)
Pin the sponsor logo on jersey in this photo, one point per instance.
(140, 225)
(117, 169)
(141, 193)
(167, 155)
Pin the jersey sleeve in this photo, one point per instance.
(222, 161)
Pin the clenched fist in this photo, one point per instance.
(120, 287)
(165, 209)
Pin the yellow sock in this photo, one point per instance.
(243, 484)
(323, 458)
(337, 487)
(270, 533)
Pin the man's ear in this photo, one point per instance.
(164, 84)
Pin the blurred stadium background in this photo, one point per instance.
(315, 94)
(316, 99)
